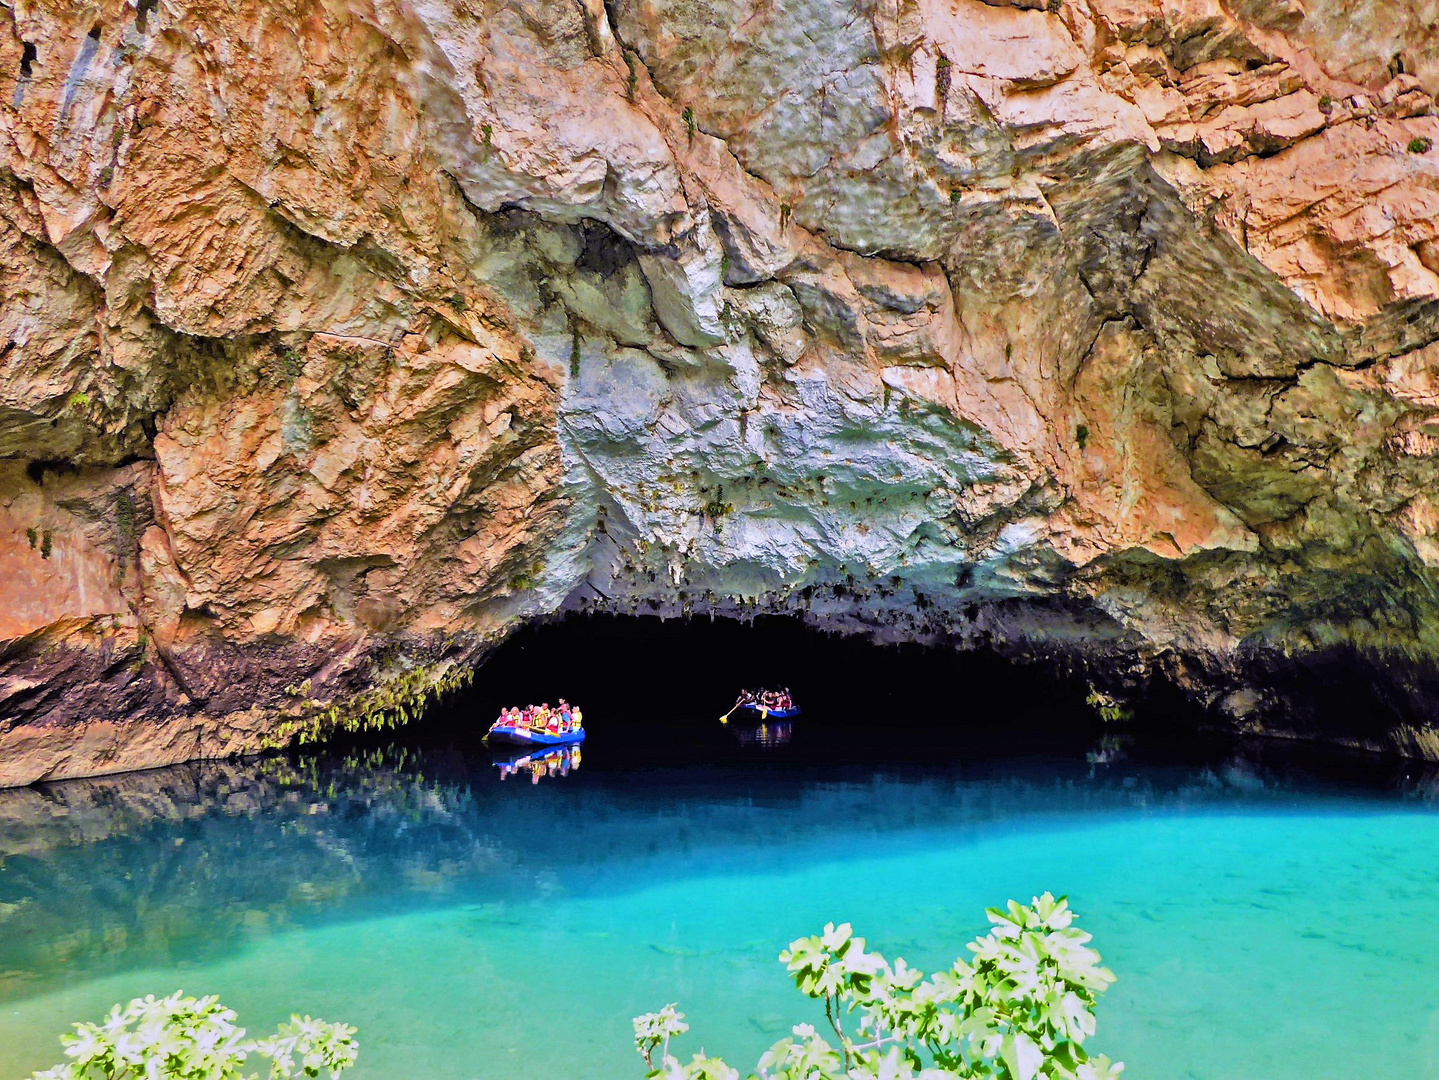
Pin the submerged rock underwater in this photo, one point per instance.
(342, 338)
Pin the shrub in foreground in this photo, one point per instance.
(1020, 1009)
(196, 1039)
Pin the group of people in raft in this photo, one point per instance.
(770, 699)
(560, 720)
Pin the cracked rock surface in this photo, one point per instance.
(339, 339)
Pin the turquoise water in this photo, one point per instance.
(1262, 924)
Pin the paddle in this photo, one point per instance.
(763, 711)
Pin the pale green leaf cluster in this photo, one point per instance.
(185, 1038)
(653, 1032)
(1020, 1009)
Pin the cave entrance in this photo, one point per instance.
(653, 690)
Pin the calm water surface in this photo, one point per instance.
(1264, 921)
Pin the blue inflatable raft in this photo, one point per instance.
(526, 737)
(760, 712)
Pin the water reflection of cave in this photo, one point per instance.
(197, 860)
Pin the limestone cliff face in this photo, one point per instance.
(339, 338)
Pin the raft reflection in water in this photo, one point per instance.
(549, 761)
(765, 736)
